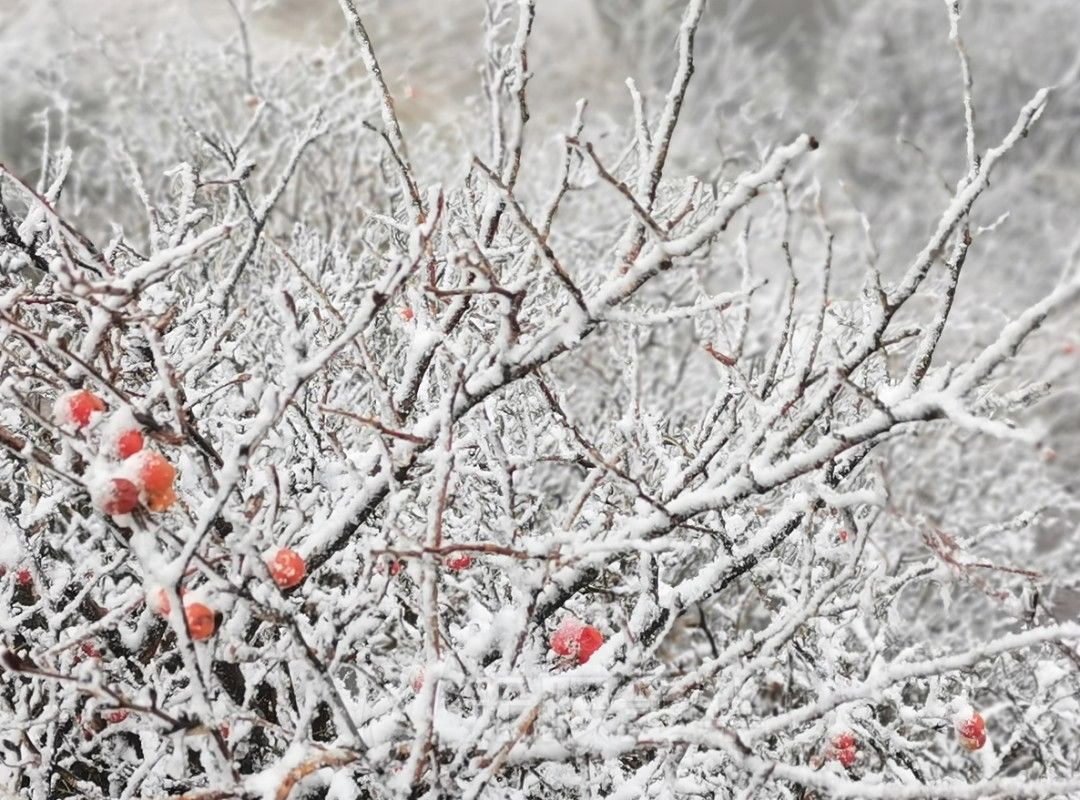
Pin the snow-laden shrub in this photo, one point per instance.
(606, 481)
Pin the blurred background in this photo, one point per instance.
(430, 50)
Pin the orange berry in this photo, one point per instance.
(156, 473)
(200, 621)
(79, 406)
(129, 443)
(160, 501)
(122, 497)
(286, 567)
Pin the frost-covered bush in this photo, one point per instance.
(561, 475)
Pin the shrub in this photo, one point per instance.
(395, 434)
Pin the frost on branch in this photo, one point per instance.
(565, 472)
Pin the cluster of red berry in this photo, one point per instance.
(574, 639)
(971, 731)
(286, 567)
(455, 561)
(146, 476)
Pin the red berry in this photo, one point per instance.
(842, 749)
(459, 562)
(122, 497)
(200, 621)
(407, 314)
(564, 641)
(129, 443)
(844, 741)
(116, 717)
(843, 535)
(286, 567)
(393, 566)
(24, 577)
(972, 732)
(161, 604)
(576, 640)
(79, 406)
(589, 642)
(88, 650)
